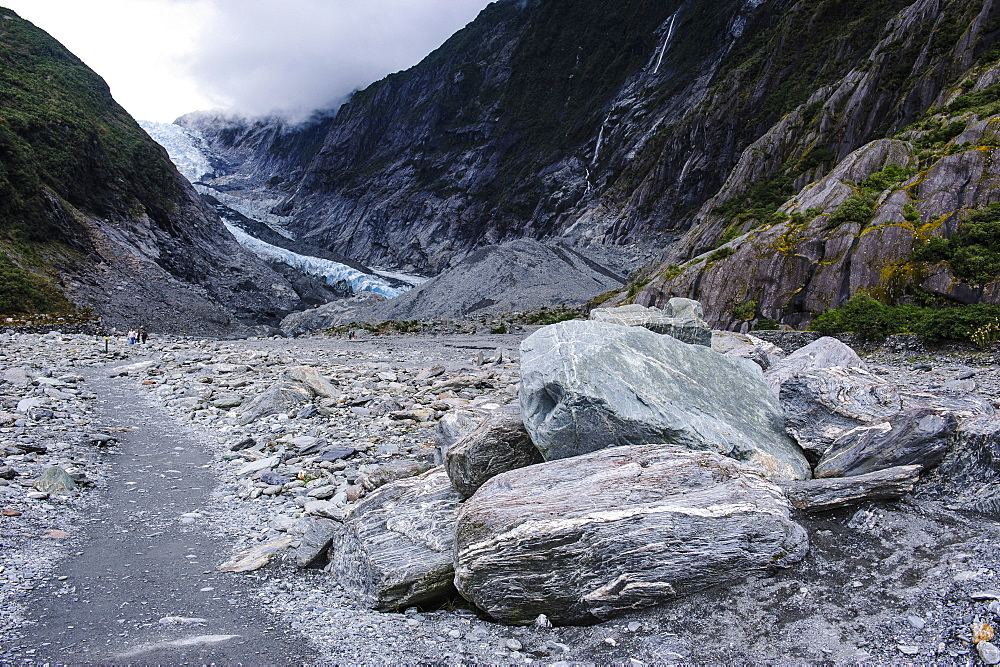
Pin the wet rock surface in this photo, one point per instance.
(882, 581)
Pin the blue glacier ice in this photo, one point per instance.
(332, 272)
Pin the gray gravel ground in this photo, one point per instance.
(883, 582)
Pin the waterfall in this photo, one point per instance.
(666, 42)
(600, 140)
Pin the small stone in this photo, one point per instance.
(513, 645)
(982, 632)
(989, 653)
(336, 453)
(633, 626)
(55, 479)
(454, 634)
(908, 650)
(542, 622)
(7, 512)
(986, 595)
(272, 478)
(916, 622)
(37, 495)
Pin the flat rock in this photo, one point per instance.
(395, 547)
(258, 465)
(279, 397)
(825, 352)
(499, 444)
(590, 537)
(680, 318)
(313, 379)
(823, 404)
(821, 495)
(255, 558)
(590, 385)
(337, 453)
(918, 436)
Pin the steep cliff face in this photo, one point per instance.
(644, 122)
(775, 243)
(92, 210)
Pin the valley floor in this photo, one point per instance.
(125, 569)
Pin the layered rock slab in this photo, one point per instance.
(590, 385)
(918, 436)
(587, 538)
(822, 405)
(395, 548)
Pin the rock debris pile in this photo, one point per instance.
(613, 472)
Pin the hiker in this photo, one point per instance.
(143, 335)
(132, 336)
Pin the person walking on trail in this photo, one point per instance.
(132, 336)
(143, 335)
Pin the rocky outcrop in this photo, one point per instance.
(279, 397)
(395, 548)
(679, 318)
(497, 445)
(658, 523)
(590, 385)
(918, 436)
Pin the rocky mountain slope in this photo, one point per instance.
(93, 212)
(637, 123)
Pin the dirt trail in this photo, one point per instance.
(137, 561)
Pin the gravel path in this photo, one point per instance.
(142, 584)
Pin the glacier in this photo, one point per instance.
(332, 272)
(185, 148)
(188, 152)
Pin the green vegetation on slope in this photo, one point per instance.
(973, 253)
(60, 129)
(873, 320)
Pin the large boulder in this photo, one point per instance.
(453, 426)
(395, 547)
(499, 444)
(590, 385)
(590, 537)
(680, 318)
(822, 405)
(279, 397)
(825, 352)
(969, 474)
(918, 436)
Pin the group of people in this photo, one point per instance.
(137, 336)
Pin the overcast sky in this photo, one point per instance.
(163, 58)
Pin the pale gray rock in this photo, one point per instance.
(594, 536)
(823, 353)
(759, 351)
(499, 444)
(590, 385)
(395, 547)
(55, 479)
(313, 379)
(455, 425)
(680, 318)
(918, 436)
(279, 397)
(315, 541)
(988, 653)
(823, 404)
(821, 495)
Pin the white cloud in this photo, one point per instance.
(163, 58)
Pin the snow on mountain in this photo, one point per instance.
(186, 148)
(332, 272)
